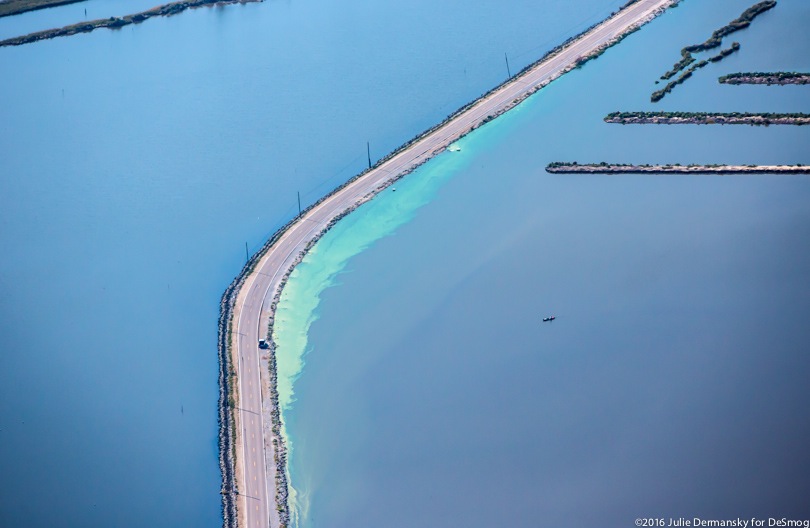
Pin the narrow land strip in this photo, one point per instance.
(741, 22)
(658, 95)
(252, 449)
(16, 7)
(780, 78)
(626, 168)
(687, 57)
(172, 8)
(707, 118)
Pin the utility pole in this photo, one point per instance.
(508, 72)
(299, 203)
(247, 257)
(368, 153)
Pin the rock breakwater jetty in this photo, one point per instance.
(707, 118)
(624, 168)
(780, 78)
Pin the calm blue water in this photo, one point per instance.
(134, 166)
(673, 382)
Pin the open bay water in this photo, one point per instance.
(674, 381)
(134, 166)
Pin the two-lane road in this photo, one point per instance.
(255, 457)
(254, 486)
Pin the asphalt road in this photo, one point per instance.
(254, 450)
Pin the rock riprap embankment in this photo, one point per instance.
(626, 168)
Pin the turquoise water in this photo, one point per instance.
(673, 382)
(318, 271)
(134, 166)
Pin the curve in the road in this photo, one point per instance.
(249, 304)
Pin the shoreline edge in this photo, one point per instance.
(228, 419)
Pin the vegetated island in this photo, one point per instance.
(741, 22)
(169, 9)
(267, 271)
(687, 57)
(769, 78)
(15, 7)
(657, 96)
(706, 118)
(559, 167)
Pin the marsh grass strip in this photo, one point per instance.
(741, 22)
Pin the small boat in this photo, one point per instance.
(549, 318)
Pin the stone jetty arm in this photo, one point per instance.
(707, 118)
(609, 168)
(780, 78)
